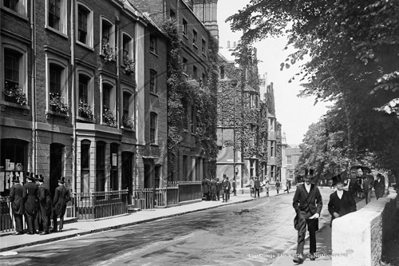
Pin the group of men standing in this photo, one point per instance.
(34, 201)
(212, 188)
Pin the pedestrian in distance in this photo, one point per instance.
(61, 198)
(341, 201)
(38, 215)
(266, 184)
(31, 206)
(45, 204)
(234, 187)
(226, 188)
(278, 186)
(307, 203)
(251, 186)
(213, 189)
(218, 188)
(367, 183)
(17, 204)
(379, 186)
(205, 188)
(256, 186)
(287, 186)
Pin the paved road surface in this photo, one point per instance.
(251, 233)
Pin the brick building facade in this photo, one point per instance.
(94, 91)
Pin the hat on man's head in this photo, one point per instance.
(61, 180)
(306, 172)
(40, 178)
(15, 179)
(30, 176)
(311, 172)
(337, 179)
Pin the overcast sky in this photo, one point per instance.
(294, 113)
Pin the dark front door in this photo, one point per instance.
(127, 174)
(56, 165)
(147, 176)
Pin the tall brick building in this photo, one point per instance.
(83, 96)
(196, 22)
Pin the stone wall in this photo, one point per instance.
(357, 238)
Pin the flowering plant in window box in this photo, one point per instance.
(85, 111)
(109, 117)
(56, 103)
(14, 94)
(108, 53)
(129, 66)
(128, 121)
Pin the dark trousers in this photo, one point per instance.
(225, 195)
(55, 222)
(45, 220)
(33, 222)
(312, 225)
(257, 190)
(18, 223)
(218, 194)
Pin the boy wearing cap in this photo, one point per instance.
(307, 203)
(341, 201)
(17, 204)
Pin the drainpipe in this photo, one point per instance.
(33, 85)
(73, 98)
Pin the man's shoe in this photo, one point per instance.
(298, 259)
(312, 256)
(53, 231)
(44, 233)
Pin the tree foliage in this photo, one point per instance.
(353, 48)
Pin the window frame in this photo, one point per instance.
(153, 136)
(203, 47)
(63, 21)
(185, 28)
(129, 109)
(111, 36)
(112, 99)
(89, 25)
(63, 64)
(195, 38)
(153, 84)
(22, 65)
(153, 44)
(20, 7)
(131, 52)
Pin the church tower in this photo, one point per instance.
(206, 11)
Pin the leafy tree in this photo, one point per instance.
(353, 48)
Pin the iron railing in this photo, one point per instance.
(102, 204)
(6, 216)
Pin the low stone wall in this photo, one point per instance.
(357, 238)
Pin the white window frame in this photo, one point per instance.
(155, 90)
(112, 100)
(131, 105)
(23, 65)
(111, 40)
(131, 55)
(21, 8)
(90, 87)
(63, 18)
(89, 37)
(54, 59)
(156, 129)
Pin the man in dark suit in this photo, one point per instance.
(61, 198)
(45, 203)
(379, 186)
(226, 188)
(307, 203)
(17, 204)
(30, 195)
(205, 188)
(257, 186)
(341, 201)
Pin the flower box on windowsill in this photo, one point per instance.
(108, 53)
(56, 105)
(109, 118)
(129, 66)
(85, 111)
(14, 94)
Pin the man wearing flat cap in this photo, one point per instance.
(307, 203)
(17, 204)
(341, 201)
(45, 205)
(30, 195)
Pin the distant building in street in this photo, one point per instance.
(292, 157)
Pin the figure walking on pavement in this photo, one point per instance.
(205, 188)
(379, 186)
(307, 203)
(17, 204)
(45, 203)
(226, 188)
(278, 186)
(267, 186)
(368, 181)
(341, 201)
(256, 186)
(61, 198)
(31, 207)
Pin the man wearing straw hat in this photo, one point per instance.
(17, 203)
(61, 198)
(31, 206)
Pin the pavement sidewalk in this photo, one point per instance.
(79, 228)
(323, 241)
